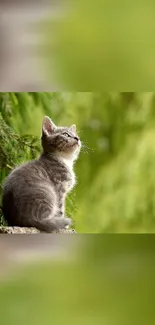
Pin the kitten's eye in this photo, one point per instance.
(66, 134)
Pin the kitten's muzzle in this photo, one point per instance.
(78, 142)
(75, 144)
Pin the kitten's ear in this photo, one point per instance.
(48, 126)
(73, 128)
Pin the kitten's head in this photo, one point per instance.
(60, 140)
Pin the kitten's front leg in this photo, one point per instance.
(61, 213)
(61, 208)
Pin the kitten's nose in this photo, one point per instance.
(76, 138)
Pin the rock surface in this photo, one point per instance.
(25, 230)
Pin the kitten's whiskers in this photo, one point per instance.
(85, 148)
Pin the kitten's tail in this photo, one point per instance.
(52, 224)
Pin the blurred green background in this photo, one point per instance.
(104, 280)
(102, 45)
(116, 173)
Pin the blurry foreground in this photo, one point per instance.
(77, 280)
(77, 45)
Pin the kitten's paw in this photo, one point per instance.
(61, 223)
(71, 223)
(68, 222)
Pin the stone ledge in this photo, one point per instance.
(25, 230)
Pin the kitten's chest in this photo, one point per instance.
(62, 176)
(69, 181)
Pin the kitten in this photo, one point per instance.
(34, 193)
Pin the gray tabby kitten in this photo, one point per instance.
(34, 193)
